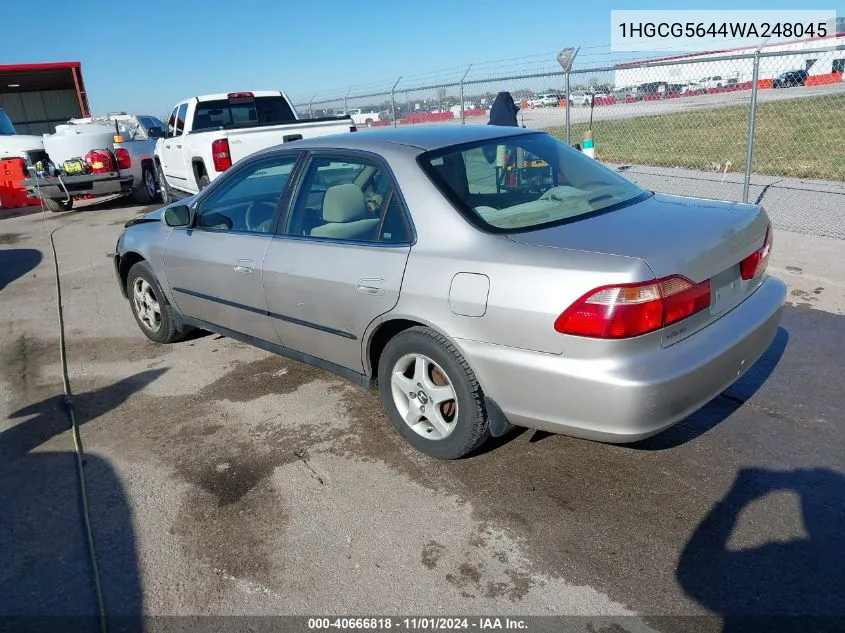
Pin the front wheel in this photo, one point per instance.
(166, 195)
(431, 394)
(153, 314)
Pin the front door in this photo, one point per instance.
(172, 157)
(214, 266)
(338, 261)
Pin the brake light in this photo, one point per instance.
(240, 95)
(124, 160)
(220, 154)
(756, 263)
(100, 161)
(353, 128)
(626, 310)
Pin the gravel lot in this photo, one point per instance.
(223, 480)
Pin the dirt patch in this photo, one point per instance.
(11, 238)
(255, 379)
(431, 553)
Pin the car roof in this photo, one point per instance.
(423, 137)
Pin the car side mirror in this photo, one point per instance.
(176, 216)
(155, 132)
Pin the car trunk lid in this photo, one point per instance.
(697, 238)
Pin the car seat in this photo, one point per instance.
(345, 215)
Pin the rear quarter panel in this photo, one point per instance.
(529, 286)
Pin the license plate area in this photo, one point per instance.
(726, 291)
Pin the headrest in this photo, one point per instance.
(344, 203)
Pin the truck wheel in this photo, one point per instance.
(166, 195)
(203, 182)
(57, 205)
(147, 191)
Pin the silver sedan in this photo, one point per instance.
(479, 276)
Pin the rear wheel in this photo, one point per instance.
(146, 193)
(153, 314)
(57, 205)
(431, 394)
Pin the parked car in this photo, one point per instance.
(364, 117)
(692, 87)
(96, 156)
(711, 82)
(790, 79)
(579, 98)
(571, 301)
(544, 101)
(206, 135)
(14, 145)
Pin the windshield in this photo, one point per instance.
(525, 182)
(223, 113)
(6, 127)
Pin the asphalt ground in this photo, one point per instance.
(224, 480)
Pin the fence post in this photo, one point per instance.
(463, 119)
(393, 101)
(567, 108)
(311, 106)
(752, 119)
(345, 97)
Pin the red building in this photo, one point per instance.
(37, 97)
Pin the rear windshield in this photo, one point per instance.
(227, 114)
(525, 182)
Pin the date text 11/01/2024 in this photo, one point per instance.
(417, 623)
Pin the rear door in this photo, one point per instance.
(214, 267)
(338, 260)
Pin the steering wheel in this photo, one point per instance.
(259, 216)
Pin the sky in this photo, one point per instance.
(149, 56)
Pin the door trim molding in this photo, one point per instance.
(273, 315)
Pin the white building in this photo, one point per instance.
(707, 67)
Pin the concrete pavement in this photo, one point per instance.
(228, 481)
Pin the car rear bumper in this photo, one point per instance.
(85, 185)
(626, 400)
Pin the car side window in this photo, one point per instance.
(350, 199)
(247, 200)
(180, 119)
(171, 123)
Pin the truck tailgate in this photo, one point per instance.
(246, 141)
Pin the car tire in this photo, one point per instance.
(144, 294)
(57, 205)
(146, 193)
(203, 182)
(163, 187)
(457, 426)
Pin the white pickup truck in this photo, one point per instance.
(206, 135)
(364, 117)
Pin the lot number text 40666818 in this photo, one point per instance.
(417, 623)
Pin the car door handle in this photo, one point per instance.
(178, 147)
(244, 266)
(371, 286)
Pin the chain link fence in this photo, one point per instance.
(759, 126)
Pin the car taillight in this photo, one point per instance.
(353, 128)
(124, 161)
(626, 310)
(756, 263)
(220, 154)
(100, 161)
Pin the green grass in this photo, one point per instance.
(802, 138)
